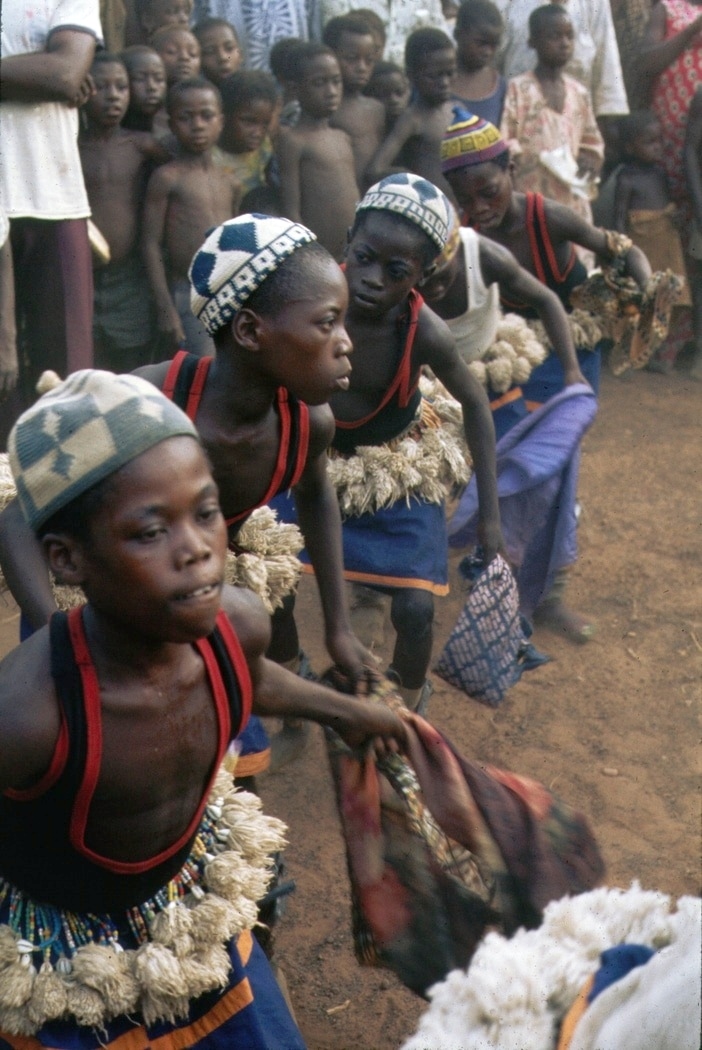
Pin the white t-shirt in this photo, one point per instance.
(40, 172)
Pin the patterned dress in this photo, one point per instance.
(673, 91)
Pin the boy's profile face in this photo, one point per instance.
(477, 46)
(107, 106)
(220, 54)
(154, 562)
(159, 13)
(434, 76)
(304, 343)
(320, 87)
(554, 42)
(356, 55)
(147, 83)
(483, 192)
(180, 53)
(441, 280)
(385, 259)
(246, 127)
(196, 119)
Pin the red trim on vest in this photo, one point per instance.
(56, 767)
(169, 383)
(241, 668)
(533, 242)
(93, 718)
(546, 237)
(401, 382)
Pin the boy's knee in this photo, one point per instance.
(412, 612)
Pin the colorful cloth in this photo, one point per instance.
(490, 107)
(440, 849)
(673, 91)
(470, 140)
(251, 168)
(537, 471)
(530, 126)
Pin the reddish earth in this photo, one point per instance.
(628, 702)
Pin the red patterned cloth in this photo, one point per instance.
(673, 91)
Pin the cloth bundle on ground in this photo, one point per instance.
(516, 993)
(537, 470)
(488, 648)
(440, 849)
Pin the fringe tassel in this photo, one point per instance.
(185, 954)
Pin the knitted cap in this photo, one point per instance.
(470, 140)
(413, 198)
(83, 430)
(235, 260)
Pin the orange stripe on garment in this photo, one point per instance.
(512, 395)
(574, 1014)
(533, 405)
(439, 589)
(252, 764)
(236, 999)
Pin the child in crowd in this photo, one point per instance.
(415, 141)
(179, 51)
(478, 86)
(147, 87)
(249, 98)
(186, 197)
(116, 721)
(377, 28)
(644, 209)
(401, 226)
(693, 172)
(115, 163)
(541, 234)
(220, 51)
(145, 17)
(549, 109)
(274, 301)
(362, 118)
(389, 85)
(316, 161)
(280, 65)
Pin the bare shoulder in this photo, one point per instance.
(433, 337)
(249, 619)
(155, 374)
(321, 429)
(29, 715)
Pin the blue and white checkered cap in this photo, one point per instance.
(235, 260)
(82, 431)
(415, 199)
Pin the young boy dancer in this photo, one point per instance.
(396, 542)
(129, 869)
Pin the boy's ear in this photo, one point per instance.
(246, 328)
(65, 556)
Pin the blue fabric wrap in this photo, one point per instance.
(616, 963)
(264, 1024)
(398, 546)
(547, 378)
(537, 475)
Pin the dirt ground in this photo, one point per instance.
(626, 703)
(629, 702)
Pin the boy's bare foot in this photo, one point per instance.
(561, 620)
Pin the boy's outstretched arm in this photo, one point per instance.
(280, 693)
(24, 566)
(437, 348)
(320, 523)
(153, 237)
(565, 225)
(497, 264)
(289, 153)
(382, 161)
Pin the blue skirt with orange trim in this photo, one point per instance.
(249, 1014)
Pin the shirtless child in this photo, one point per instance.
(186, 198)
(352, 41)
(114, 162)
(414, 144)
(318, 186)
(179, 51)
(116, 861)
(147, 88)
